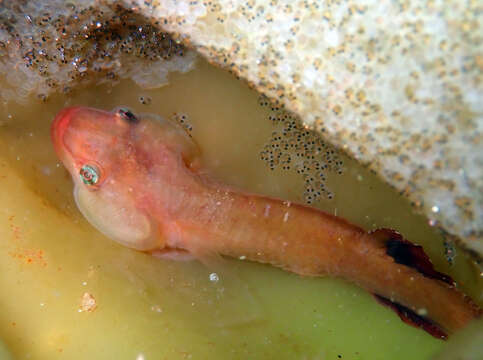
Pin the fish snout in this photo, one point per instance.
(59, 125)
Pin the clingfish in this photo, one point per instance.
(139, 180)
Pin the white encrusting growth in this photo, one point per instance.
(395, 83)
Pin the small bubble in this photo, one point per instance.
(422, 312)
(214, 277)
(435, 209)
(156, 308)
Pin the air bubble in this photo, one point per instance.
(214, 277)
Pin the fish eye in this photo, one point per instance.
(127, 115)
(90, 174)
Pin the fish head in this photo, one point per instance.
(90, 142)
(97, 148)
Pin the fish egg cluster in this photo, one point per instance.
(182, 120)
(295, 147)
(145, 100)
(53, 46)
(449, 250)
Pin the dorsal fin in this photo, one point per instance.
(406, 253)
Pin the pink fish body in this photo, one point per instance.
(138, 180)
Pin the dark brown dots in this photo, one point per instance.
(293, 147)
(183, 121)
(449, 250)
(145, 100)
(42, 97)
(86, 42)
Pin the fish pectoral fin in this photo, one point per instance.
(173, 254)
(223, 279)
(117, 218)
(406, 253)
(232, 289)
(177, 138)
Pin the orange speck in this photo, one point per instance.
(30, 256)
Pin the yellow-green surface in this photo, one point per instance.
(466, 345)
(50, 256)
(4, 353)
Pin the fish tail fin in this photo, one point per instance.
(428, 284)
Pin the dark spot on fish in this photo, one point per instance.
(406, 253)
(127, 115)
(411, 318)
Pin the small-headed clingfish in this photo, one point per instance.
(138, 180)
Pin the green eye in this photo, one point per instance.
(89, 174)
